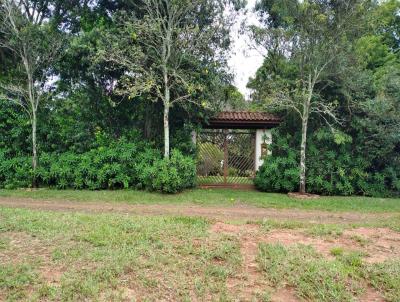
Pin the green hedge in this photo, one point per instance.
(119, 165)
(329, 172)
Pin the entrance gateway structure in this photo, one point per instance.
(232, 147)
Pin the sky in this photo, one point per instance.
(244, 61)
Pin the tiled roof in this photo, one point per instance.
(246, 116)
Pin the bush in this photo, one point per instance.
(171, 175)
(15, 172)
(280, 172)
(120, 165)
(331, 169)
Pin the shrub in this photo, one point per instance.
(116, 166)
(171, 175)
(15, 172)
(280, 172)
(332, 169)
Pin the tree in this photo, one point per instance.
(163, 49)
(311, 41)
(35, 46)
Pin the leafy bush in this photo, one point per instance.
(332, 169)
(171, 175)
(116, 166)
(280, 172)
(15, 172)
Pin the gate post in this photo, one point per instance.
(225, 156)
(194, 137)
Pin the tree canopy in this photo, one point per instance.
(77, 77)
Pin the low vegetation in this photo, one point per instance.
(93, 94)
(316, 278)
(108, 166)
(216, 197)
(73, 256)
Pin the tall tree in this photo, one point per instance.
(312, 38)
(35, 47)
(166, 48)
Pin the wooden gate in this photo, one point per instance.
(226, 158)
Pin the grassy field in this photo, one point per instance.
(55, 256)
(217, 197)
(73, 257)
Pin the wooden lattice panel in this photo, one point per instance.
(226, 157)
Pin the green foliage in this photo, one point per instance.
(280, 172)
(16, 171)
(361, 155)
(332, 170)
(386, 276)
(170, 175)
(117, 165)
(313, 277)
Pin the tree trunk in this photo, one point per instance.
(304, 127)
(303, 155)
(167, 96)
(166, 130)
(34, 149)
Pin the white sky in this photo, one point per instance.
(244, 60)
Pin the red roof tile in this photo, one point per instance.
(245, 116)
(243, 120)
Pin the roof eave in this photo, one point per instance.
(237, 124)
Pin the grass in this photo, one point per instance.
(386, 276)
(217, 197)
(315, 278)
(325, 230)
(67, 256)
(110, 257)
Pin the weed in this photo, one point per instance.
(269, 224)
(386, 277)
(15, 280)
(313, 277)
(360, 239)
(3, 243)
(101, 251)
(337, 251)
(325, 230)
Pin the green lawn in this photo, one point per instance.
(47, 256)
(55, 256)
(215, 197)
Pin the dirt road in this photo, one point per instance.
(234, 212)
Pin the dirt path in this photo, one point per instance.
(234, 212)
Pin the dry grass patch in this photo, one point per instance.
(296, 262)
(75, 257)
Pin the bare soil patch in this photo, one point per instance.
(381, 243)
(285, 294)
(371, 295)
(249, 283)
(234, 212)
(377, 244)
(23, 248)
(303, 195)
(27, 247)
